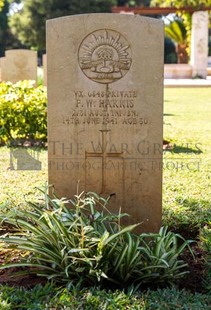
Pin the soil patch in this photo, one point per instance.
(15, 277)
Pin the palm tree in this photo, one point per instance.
(176, 31)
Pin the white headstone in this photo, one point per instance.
(199, 44)
(19, 65)
(44, 63)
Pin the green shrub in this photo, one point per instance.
(205, 239)
(86, 244)
(23, 111)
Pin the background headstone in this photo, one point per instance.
(44, 63)
(199, 44)
(1, 61)
(105, 111)
(19, 65)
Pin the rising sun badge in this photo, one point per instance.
(104, 56)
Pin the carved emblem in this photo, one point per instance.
(21, 65)
(104, 56)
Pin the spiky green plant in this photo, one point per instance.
(162, 257)
(80, 241)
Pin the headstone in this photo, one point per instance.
(0, 69)
(2, 60)
(19, 65)
(199, 44)
(44, 63)
(105, 111)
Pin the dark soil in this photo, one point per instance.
(14, 276)
(193, 281)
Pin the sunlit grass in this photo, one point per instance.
(187, 167)
(16, 186)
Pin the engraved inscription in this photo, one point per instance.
(104, 56)
(105, 107)
(104, 155)
(96, 117)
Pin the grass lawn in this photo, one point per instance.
(187, 167)
(186, 204)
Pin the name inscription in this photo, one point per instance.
(105, 107)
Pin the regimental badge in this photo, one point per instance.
(104, 56)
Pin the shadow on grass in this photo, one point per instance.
(187, 148)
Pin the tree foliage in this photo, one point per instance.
(134, 2)
(178, 3)
(1, 4)
(4, 28)
(28, 24)
(7, 40)
(3, 25)
(186, 17)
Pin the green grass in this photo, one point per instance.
(48, 297)
(186, 175)
(186, 205)
(16, 186)
(187, 115)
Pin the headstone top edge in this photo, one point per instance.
(108, 15)
(20, 50)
